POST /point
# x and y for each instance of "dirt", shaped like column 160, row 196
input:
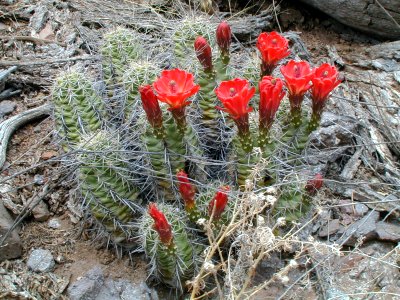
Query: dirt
column 73, row 247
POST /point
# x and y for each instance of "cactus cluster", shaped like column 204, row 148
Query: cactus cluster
column 188, row 143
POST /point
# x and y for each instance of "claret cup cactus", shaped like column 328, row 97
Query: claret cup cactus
column 188, row 140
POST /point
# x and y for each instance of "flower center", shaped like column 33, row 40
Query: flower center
column 172, row 86
column 325, row 74
column 296, row 71
column 273, row 81
column 232, row 92
column 274, row 41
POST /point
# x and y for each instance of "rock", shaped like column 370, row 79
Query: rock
column 40, row 212
column 87, row 287
column 388, row 232
column 360, row 209
column 365, row 228
column 93, row 286
column 39, row 18
column 372, row 17
column 7, row 107
column 12, row 247
column 334, row 293
column 41, row 260
column 331, row 228
column 54, row 223
column 38, row 179
column 47, row 32
column 396, row 76
column 46, row 155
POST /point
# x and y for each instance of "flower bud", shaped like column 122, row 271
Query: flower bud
column 219, row 202
column 187, row 190
column 161, row 224
column 224, row 37
column 151, row 106
column 203, row 53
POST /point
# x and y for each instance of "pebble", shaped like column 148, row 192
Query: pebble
column 54, row 223
column 38, row 179
column 7, row 107
column 12, row 247
column 41, row 260
column 388, row 232
column 46, row 155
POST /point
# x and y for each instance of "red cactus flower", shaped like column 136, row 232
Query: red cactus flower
column 187, row 190
column 219, row 201
column 314, row 184
column 224, row 37
column 235, row 96
column 151, row 106
column 325, row 79
column 203, row 52
column 298, row 76
column 161, row 224
column 273, row 47
column 174, row 87
column 271, row 95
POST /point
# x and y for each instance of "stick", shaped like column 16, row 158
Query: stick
column 42, row 62
column 31, row 39
column 9, row 126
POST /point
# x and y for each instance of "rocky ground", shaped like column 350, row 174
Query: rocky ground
column 53, row 254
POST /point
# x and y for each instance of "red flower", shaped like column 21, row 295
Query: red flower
column 203, row 52
column 325, row 79
column 271, row 95
column 273, row 47
column 297, row 76
column 224, row 37
column 187, row 190
column 235, row 96
column 314, row 184
column 219, row 202
column 151, row 106
column 161, row 224
column 174, row 87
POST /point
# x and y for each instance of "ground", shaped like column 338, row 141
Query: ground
column 73, row 244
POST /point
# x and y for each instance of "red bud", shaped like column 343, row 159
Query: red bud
column 224, row 37
column 203, row 52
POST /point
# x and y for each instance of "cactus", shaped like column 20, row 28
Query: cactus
column 139, row 73
column 78, row 109
column 173, row 258
column 121, row 47
column 105, row 186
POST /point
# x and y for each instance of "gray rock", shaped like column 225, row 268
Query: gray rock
column 93, row 286
column 38, row 179
column 334, row 293
column 12, row 247
column 54, row 223
column 88, row 287
column 7, row 107
column 41, row 260
column 396, row 76
column 388, row 232
column 365, row 228
column 329, row 229
column 39, row 18
column 360, row 209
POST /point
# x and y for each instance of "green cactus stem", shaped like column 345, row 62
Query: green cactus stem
column 175, row 145
column 138, row 74
column 156, row 152
column 103, row 177
column 78, row 109
column 175, row 263
column 291, row 205
column 121, row 47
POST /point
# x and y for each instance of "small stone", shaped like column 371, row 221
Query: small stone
column 7, row 107
column 396, row 76
column 87, row 287
column 388, row 232
column 54, row 223
column 329, row 229
column 40, row 212
column 46, row 155
column 346, row 206
column 334, row 293
column 47, row 32
column 360, row 209
column 41, row 260
column 12, row 247
column 37, row 129
column 38, row 179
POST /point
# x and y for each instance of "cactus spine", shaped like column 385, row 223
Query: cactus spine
column 78, row 109
column 104, row 184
